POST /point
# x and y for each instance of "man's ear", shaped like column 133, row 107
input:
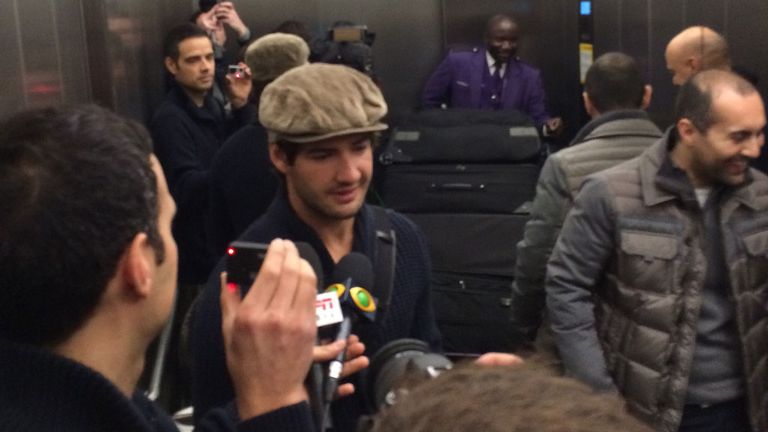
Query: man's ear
column 171, row 66
column 686, row 131
column 694, row 63
column 647, row 93
column 589, row 106
column 278, row 157
column 137, row 265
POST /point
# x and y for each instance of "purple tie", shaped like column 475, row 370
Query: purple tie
column 496, row 86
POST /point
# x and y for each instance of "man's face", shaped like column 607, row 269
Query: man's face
column 678, row 64
column 165, row 273
column 721, row 155
column 328, row 180
column 501, row 40
column 194, row 69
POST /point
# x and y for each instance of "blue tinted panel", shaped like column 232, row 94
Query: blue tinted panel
column 586, row 8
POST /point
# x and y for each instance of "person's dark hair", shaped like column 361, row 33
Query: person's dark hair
column 492, row 21
column 509, row 399
column 291, row 149
column 614, row 82
column 206, row 5
column 694, row 100
column 179, row 34
column 195, row 15
column 76, row 186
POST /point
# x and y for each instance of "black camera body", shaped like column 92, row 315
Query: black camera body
column 346, row 44
column 397, row 365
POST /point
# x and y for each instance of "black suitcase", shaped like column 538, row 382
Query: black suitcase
column 464, row 136
column 473, row 314
column 479, row 244
column 459, row 188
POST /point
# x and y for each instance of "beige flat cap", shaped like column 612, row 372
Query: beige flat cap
column 272, row 55
column 319, row 101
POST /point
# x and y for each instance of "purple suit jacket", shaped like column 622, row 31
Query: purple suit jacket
column 458, row 81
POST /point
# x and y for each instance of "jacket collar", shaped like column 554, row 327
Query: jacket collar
column 280, row 220
column 209, row 112
column 588, row 131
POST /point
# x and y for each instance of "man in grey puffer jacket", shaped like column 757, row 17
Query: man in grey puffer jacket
column 657, row 285
column 615, row 95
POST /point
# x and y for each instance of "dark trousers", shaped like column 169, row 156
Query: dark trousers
column 731, row 416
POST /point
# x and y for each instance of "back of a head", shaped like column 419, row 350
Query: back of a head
column 694, row 100
column 76, row 186
column 178, row 34
column 702, row 42
column 271, row 55
column 506, row 399
column 714, row 50
column 614, row 82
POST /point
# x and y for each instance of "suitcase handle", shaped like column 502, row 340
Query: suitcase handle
column 455, row 186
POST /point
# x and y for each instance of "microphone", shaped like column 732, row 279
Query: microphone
column 355, row 273
column 307, row 252
column 314, row 378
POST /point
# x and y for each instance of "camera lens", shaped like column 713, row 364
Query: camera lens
column 397, row 361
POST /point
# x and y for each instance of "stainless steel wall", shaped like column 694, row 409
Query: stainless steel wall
column 109, row 51
column 642, row 28
column 44, row 56
column 409, row 40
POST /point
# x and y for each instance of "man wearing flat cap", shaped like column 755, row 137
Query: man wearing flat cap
column 322, row 121
column 243, row 182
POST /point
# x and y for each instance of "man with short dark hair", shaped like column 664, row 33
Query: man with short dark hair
column 696, row 49
column 615, row 95
column 88, row 280
column 188, row 129
column 657, row 284
column 214, row 18
column 322, row 120
column 491, row 78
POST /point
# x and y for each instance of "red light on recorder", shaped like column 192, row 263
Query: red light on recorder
column 231, row 251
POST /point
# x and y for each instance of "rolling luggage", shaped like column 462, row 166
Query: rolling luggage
column 463, row 136
column 472, row 312
column 459, row 188
column 472, row 276
column 467, row 179
column 480, row 244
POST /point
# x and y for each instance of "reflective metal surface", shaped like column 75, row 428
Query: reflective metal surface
column 109, row 51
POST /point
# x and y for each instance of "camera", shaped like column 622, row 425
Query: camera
column 236, row 69
column 244, row 261
column 346, row 44
column 398, row 364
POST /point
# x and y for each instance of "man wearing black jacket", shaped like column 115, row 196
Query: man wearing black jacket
column 88, row 279
column 188, row 129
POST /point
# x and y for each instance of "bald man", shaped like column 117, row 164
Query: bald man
column 695, row 49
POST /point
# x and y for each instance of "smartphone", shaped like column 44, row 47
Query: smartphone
column 235, row 69
column 244, row 261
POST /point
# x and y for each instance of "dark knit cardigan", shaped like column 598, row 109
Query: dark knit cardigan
column 410, row 313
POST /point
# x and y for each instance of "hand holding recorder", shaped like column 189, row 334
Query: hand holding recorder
column 269, row 334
